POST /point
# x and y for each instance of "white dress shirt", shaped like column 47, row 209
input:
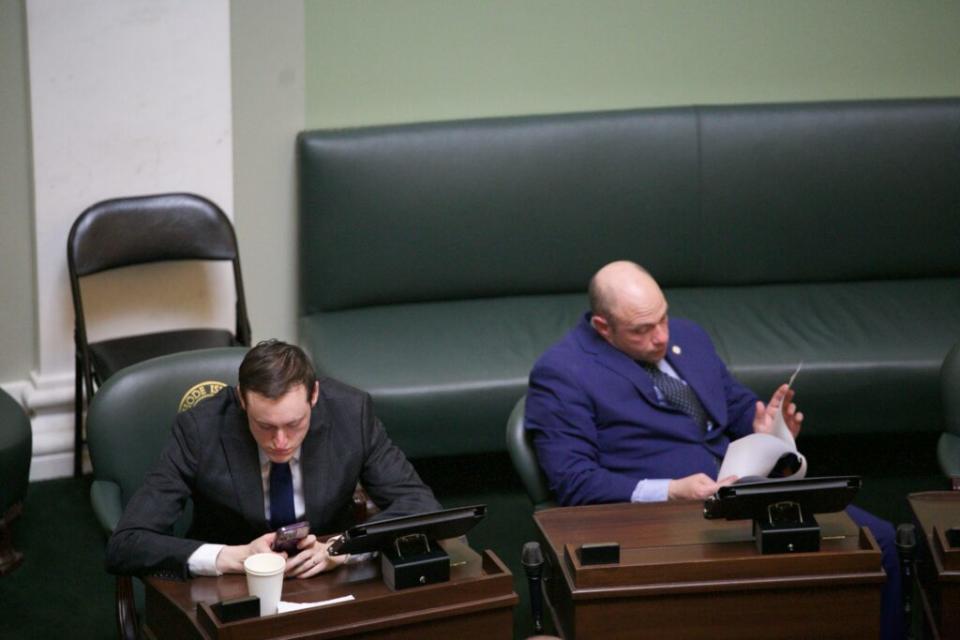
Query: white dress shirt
column 203, row 561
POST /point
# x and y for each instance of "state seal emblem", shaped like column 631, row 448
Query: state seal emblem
column 198, row 392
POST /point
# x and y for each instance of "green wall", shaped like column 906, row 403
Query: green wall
column 17, row 287
column 378, row 61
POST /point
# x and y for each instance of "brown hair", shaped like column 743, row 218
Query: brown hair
column 273, row 367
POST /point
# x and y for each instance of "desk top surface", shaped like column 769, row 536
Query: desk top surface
column 475, row 581
column 936, row 512
column 671, row 542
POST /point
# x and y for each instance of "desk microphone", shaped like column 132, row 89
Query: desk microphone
column 906, row 548
column 532, row 560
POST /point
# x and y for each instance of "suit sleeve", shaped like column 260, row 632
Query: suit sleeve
column 741, row 405
column 387, row 475
column 561, row 416
column 144, row 541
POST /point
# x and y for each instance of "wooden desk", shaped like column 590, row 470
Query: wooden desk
column 477, row 603
column 938, row 564
column 681, row 576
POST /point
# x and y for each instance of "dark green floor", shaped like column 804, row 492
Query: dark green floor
column 62, row 591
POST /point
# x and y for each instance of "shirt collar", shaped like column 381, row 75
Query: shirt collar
column 265, row 461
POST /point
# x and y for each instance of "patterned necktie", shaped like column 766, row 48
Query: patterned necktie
column 678, row 394
column 281, row 495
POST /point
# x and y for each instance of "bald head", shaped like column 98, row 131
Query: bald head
column 623, row 282
column 629, row 310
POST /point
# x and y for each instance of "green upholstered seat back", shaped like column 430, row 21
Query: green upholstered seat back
column 439, row 260
column 16, row 438
column 950, row 390
column 948, row 448
column 524, row 458
column 703, row 196
column 131, row 416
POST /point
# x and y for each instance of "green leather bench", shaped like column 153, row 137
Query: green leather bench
column 439, row 260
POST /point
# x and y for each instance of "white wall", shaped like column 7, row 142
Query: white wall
column 127, row 97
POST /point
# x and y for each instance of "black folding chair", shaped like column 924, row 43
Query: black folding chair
column 129, row 231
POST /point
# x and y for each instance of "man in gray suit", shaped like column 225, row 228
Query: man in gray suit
column 282, row 447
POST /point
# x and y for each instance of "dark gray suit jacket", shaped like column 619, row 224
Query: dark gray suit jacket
column 213, row 460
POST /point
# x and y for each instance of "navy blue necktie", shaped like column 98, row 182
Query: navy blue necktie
column 281, row 495
column 679, row 395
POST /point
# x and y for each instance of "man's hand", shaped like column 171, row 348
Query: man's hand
column 230, row 559
column 699, row 486
column 782, row 400
column 312, row 558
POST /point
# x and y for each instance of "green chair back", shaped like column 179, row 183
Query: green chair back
column 948, row 447
column 131, row 416
column 16, row 440
column 524, row 457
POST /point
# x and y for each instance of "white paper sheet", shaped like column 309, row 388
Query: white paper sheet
column 757, row 454
column 284, row 607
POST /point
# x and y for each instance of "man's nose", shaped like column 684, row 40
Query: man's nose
column 280, row 439
column 660, row 335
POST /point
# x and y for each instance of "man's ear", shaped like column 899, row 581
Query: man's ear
column 600, row 325
column 316, row 393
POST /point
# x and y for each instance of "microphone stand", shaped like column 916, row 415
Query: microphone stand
column 532, row 560
column 906, row 549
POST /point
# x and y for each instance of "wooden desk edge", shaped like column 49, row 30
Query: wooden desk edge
column 496, row 587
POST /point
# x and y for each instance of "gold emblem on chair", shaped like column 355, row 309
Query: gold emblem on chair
column 198, row 392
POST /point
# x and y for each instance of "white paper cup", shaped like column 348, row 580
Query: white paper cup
column 265, row 579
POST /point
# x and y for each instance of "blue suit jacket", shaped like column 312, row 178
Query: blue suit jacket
column 599, row 428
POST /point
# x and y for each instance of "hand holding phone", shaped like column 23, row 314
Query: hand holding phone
column 289, row 536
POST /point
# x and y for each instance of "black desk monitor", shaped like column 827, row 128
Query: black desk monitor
column 751, row 500
column 381, row 534
column 783, row 510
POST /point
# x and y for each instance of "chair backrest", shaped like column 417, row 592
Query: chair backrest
column 385, row 210
column 172, row 226
column 524, row 457
column 950, row 390
column 131, row 416
column 15, row 450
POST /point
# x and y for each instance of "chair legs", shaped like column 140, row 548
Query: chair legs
column 10, row 558
column 127, row 624
column 78, row 422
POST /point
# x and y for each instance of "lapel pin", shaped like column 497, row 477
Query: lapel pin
column 676, row 350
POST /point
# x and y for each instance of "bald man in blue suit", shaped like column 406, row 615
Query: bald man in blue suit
column 606, row 429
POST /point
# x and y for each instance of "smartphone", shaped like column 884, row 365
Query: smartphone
column 289, row 536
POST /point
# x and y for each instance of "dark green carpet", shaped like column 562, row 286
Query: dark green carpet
column 61, row 589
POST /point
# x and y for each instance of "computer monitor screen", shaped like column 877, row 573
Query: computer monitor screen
column 436, row 525
column 752, row 500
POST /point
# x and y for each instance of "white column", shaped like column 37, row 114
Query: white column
column 128, row 97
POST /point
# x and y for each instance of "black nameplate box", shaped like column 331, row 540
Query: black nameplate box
column 599, row 553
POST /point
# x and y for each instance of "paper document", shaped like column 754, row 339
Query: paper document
column 284, row 607
column 758, row 453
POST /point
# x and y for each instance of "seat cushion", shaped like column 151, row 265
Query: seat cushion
column 110, row 356
column 445, row 375
column 871, row 350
